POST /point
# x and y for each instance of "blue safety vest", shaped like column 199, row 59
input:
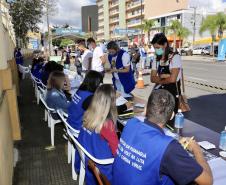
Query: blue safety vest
column 139, row 155
column 126, row 79
column 38, row 71
column 75, row 110
column 97, row 147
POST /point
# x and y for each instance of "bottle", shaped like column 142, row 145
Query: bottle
column 179, row 120
column 222, row 144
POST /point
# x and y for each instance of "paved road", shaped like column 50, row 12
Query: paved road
column 205, row 72
column 208, row 104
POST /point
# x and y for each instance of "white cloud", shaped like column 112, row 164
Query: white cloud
column 69, row 11
column 208, row 5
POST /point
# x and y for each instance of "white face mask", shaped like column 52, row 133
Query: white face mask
column 90, row 47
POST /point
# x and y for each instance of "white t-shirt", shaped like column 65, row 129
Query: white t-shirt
column 85, row 59
column 151, row 52
column 175, row 63
column 125, row 62
column 96, row 61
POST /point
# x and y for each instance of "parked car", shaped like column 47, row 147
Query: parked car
column 201, row 51
column 186, row 51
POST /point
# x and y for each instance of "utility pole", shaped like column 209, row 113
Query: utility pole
column 141, row 20
column 194, row 25
column 49, row 31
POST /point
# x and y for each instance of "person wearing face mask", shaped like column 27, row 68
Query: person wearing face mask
column 86, row 57
column 166, row 68
column 121, row 69
column 99, row 58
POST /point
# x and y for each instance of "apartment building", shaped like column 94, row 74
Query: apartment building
column 123, row 14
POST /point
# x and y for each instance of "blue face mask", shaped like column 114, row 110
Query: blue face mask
column 159, row 51
column 114, row 55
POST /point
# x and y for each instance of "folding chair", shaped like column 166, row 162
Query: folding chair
column 71, row 148
column 101, row 178
column 24, row 70
column 83, row 152
column 51, row 121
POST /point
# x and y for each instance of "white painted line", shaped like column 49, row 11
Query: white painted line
column 196, row 68
column 195, row 78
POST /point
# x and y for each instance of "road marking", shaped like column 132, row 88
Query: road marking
column 196, row 68
column 195, row 78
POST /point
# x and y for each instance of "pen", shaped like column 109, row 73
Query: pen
column 186, row 145
column 128, row 114
column 169, row 127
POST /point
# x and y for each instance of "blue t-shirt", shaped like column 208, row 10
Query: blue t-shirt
column 169, row 162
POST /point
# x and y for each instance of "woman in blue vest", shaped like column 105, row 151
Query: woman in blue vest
column 98, row 134
column 121, row 70
column 82, row 98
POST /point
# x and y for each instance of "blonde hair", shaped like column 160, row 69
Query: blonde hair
column 102, row 108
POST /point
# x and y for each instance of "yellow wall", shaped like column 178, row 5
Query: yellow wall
column 158, row 7
column 9, row 119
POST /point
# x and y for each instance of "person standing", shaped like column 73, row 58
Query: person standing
column 86, row 57
column 19, row 57
column 143, row 57
column 121, row 69
column 99, row 58
column 166, row 69
column 151, row 55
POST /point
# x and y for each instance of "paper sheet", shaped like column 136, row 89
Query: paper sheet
column 206, row 145
column 120, row 101
column 218, row 167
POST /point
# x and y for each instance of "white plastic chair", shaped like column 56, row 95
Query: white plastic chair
column 24, row 70
column 51, row 122
column 71, row 148
column 83, row 152
column 36, row 82
column 43, row 92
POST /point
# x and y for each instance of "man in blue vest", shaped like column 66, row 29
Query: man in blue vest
column 146, row 156
column 121, row 70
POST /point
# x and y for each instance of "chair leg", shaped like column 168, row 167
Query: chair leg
column 46, row 115
column 52, row 125
column 69, row 152
column 49, row 119
column 82, row 174
column 74, row 174
column 38, row 97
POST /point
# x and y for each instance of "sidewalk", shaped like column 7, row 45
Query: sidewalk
column 38, row 166
column 199, row 58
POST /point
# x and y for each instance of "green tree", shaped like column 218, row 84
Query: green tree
column 147, row 26
column 210, row 24
column 25, row 16
column 182, row 33
column 65, row 42
column 221, row 23
column 175, row 25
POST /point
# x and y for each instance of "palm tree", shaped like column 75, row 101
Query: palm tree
column 147, row 26
column 182, row 33
column 174, row 27
column 210, row 24
column 221, row 23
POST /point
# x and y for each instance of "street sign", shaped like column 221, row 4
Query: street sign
column 120, row 31
column 67, row 31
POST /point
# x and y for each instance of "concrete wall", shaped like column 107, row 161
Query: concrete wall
column 8, row 104
column 158, row 7
column 106, row 20
column 122, row 14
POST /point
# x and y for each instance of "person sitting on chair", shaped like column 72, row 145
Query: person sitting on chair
column 146, row 155
column 98, row 134
column 55, row 97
